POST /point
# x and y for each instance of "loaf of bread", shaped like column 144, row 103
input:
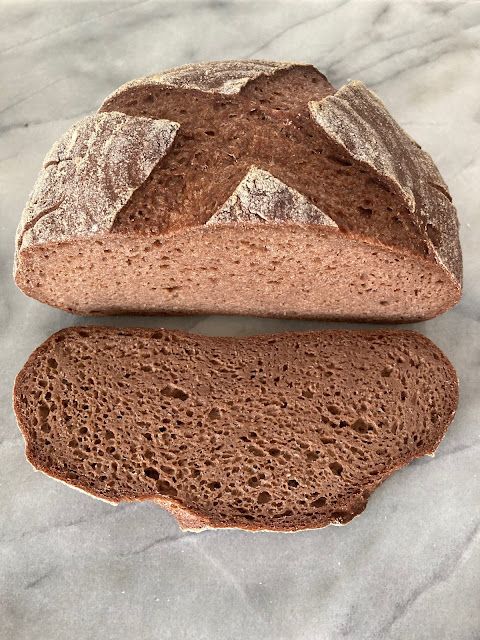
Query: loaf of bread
column 279, row 432
column 244, row 187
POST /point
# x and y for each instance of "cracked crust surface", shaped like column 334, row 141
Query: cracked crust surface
column 261, row 196
column 356, row 119
column 226, row 77
column 90, row 173
column 243, row 143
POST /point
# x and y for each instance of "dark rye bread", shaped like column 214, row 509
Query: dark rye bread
column 246, row 187
column 279, row 432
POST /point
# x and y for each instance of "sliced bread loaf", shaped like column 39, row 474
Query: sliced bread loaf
column 246, row 187
column 278, row 432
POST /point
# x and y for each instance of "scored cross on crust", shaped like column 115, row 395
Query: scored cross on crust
column 236, row 116
column 245, row 148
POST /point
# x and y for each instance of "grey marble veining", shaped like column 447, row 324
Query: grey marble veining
column 409, row 567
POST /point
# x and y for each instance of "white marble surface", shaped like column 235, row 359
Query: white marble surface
column 409, row 567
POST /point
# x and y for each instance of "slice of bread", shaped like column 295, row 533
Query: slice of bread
column 278, row 432
column 241, row 187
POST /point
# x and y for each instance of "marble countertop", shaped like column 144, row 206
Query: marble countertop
column 409, row 567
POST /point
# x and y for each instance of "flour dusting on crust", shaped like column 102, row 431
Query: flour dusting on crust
column 262, row 197
column 356, row 119
column 89, row 175
column 226, row 76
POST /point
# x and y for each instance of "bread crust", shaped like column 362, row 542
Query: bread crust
column 353, row 118
column 89, row 174
column 358, row 121
column 260, row 196
column 227, row 77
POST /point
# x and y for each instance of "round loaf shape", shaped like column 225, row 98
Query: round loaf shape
column 241, row 187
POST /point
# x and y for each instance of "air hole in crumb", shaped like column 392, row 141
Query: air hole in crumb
column 319, row 502
column 214, row 414
column 255, row 450
column 362, row 426
column 365, row 211
column 169, row 471
column 336, row 468
column 152, row 473
column 214, row 485
column 274, row 452
column 263, row 497
column 292, row 483
column 172, row 391
column 333, row 409
column 43, row 411
column 166, row 489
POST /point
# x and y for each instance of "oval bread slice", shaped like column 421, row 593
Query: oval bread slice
column 279, row 432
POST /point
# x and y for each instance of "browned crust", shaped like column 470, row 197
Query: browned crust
column 261, row 197
column 193, row 519
column 357, row 120
column 354, row 118
column 90, row 173
column 222, row 76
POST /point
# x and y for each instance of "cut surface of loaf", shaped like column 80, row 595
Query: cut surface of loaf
column 279, row 432
column 246, row 187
